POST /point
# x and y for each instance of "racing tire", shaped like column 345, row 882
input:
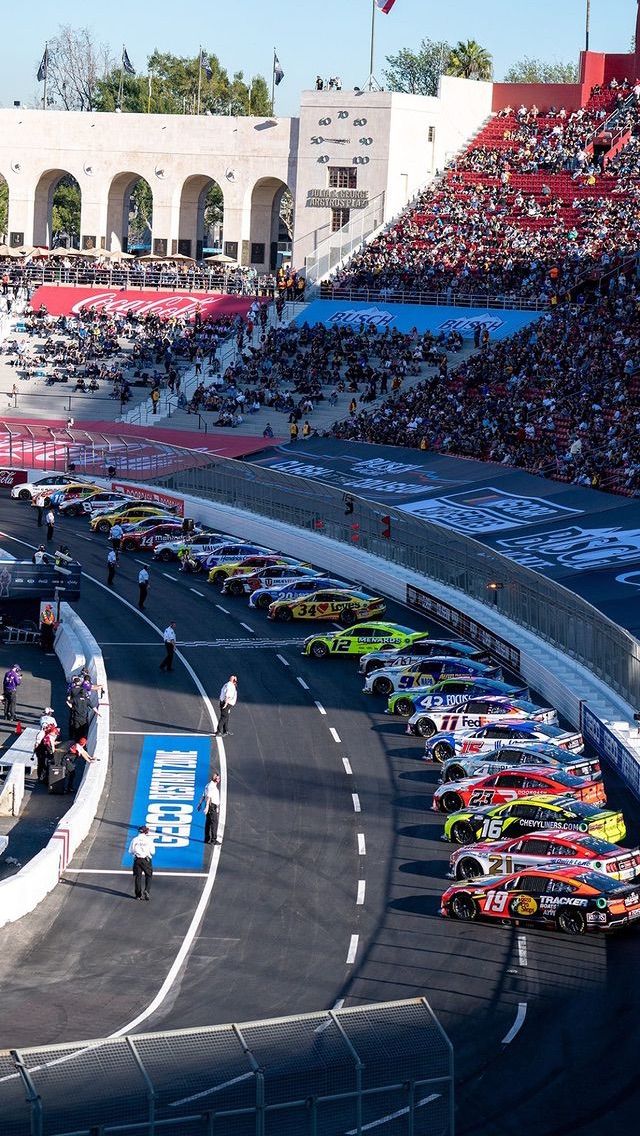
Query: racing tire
column 235, row 588
column 128, row 545
column 348, row 617
column 217, row 577
column 24, row 495
column 285, row 615
column 263, row 602
column 382, row 685
column 571, row 921
column 372, row 665
column 425, row 727
column 441, row 751
column 165, row 556
column 404, row 707
column 319, row 650
column 76, row 511
column 463, row 907
column 103, row 527
column 451, row 802
column 454, row 773
column 462, row 833
column 468, row 869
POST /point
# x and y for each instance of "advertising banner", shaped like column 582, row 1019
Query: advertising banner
column 62, row 301
column 11, row 477
column 464, row 626
column 404, row 317
column 21, row 580
column 611, row 748
column 153, row 496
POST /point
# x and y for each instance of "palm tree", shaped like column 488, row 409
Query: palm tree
column 470, row 61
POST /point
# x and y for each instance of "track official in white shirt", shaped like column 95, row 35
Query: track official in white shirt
column 169, row 637
column 228, row 699
column 142, row 848
column 210, row 801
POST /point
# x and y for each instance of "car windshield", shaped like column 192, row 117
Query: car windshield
column 600, row 847
column 603, row 883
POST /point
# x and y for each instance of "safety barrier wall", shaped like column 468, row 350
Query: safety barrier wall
column 22, row 892
column 12, row 794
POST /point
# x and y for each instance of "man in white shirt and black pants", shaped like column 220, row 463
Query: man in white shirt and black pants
column 169, row 637
column 143, row 588
column 228, row 699
column 142, row 848
column 210, row 799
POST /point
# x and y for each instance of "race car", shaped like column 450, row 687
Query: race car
column 199, row 560
column 148, row 536
column 245, row 565
column 509, row 784
column 544, row 755
column 272, row 577
column 26, row 490
column 199, row 542
column 425, row 672
column 345, row 606
column 496, row 822
column 572, row 900
column 476, row 712
column 539, row 850
column 76, row 491
column 126, row 514
column 80, row 506
column 423, row 648
column 287, row 589
column 483, row 739
column 357, row 640
column 450, row 692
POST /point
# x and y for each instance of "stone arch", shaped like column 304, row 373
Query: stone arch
column 195, row 226
column 51, row 190
column 265, row 228
column 129, row 212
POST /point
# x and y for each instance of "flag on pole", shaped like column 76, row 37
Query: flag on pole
column 127, row 65
column 205, row 65
column 43, row 69
column 278, row 73
column 385, row 5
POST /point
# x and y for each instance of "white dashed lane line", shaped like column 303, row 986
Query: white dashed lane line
column 362, row 844
column 334, row 734
column 143, row 562
column 196, row 592
column 224, row 609
column 247, row 628
column 302, row 682
column 522, row 950
column 356, row 803
column 347, row 766
column 353, row 950
column 321, row 708
column 281, row 658
column 169, row 576
column 517, row 1025
column 362, row 887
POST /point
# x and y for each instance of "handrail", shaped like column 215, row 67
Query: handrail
column 330, row 291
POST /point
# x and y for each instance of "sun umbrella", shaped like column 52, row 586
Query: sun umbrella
column 220, row 258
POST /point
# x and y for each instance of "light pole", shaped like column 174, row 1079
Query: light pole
column 587, row 27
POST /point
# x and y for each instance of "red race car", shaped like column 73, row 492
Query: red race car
column 508, row 784
column 542, row 848
column 573, row 900
column 147, row 538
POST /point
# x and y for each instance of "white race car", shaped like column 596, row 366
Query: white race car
column 478, row 712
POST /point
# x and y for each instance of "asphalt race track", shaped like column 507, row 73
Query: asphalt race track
column 327, row 882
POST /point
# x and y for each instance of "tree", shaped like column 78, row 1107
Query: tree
column 76, row 66
column 418, row 72
column 65, row 213
column 469, row 60
column 527, row 70
column 4, row 209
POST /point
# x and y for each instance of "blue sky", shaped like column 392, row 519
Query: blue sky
column 328, row 37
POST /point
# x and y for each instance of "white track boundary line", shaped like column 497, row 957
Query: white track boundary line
column 517, row 1025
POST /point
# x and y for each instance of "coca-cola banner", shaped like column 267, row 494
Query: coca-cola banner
column 63, row 301
column 11, row 477
column 153, row 496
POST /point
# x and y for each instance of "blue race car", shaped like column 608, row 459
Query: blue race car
column 449, row 692
column 263, row 597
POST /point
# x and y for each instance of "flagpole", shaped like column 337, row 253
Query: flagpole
column 46, row 76
column 121, row 84
column 373, row 45
column 149, row 93
column 273, row 83
column 199, row 78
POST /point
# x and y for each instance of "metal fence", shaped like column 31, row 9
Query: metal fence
column 542, row 606
column 335, row 247
column 325, row 1074
column 330, row 291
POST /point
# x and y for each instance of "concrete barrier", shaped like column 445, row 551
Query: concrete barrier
column 21, row 893
column 12, row 794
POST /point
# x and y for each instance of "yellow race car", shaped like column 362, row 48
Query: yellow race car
column 133, row 513
column 346, row 607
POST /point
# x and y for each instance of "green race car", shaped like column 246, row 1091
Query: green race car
column 360, row 639
column 516, row 818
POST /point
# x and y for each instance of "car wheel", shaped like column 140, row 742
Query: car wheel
column 426, row 728
column 442, row 750
column 468, row 869
column 463, row 907
column 263, row 602
column 451, row 802
column 165, row 555
column 382, row 685
column 24, row 495
column 454, row 773
column 404, row 707
column 77, row 511
column 103, row 527
column 319, row 650
column 571, row 921
column 218, row 577
column 129, row 545
column 372, row 665
column 462, row 833
column 348, row 616
column 285, row 614
column 235, row 588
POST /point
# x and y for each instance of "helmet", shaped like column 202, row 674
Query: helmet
column 143, row 828
column 48, row 710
